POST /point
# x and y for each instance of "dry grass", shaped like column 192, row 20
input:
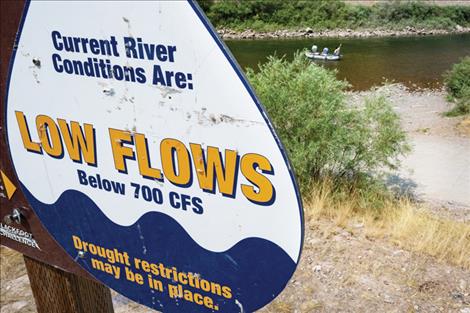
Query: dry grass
column 282, row 307
column 403, row 222
column 15, row 294
column 11, row 264
column 464, row 127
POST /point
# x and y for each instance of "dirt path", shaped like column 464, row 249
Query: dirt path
column 439, row 164
column 437, row 170
column 441, row 169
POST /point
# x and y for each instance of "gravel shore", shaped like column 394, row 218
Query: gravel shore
column 308, row 32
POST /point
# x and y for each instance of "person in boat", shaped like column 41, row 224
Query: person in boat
column 337, row 50
column 325, row 51
column 314, row 49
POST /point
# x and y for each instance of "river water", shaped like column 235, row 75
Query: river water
column 417, row 62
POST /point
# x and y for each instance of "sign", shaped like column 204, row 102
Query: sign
column 145, row 154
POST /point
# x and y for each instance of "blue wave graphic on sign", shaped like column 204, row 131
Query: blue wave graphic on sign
column 257, row 266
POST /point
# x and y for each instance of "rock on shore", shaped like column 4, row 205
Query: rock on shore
column 308, row 32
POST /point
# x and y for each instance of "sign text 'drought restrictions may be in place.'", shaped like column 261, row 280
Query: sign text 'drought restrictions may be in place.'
column 158, row 277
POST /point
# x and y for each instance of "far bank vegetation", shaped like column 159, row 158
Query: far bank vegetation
column 272, row 15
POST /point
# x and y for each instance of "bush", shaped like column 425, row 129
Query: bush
column 457, row 82
column 325, row 137
column 458, row 78
column 205, row 4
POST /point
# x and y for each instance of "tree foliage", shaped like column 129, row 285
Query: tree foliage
column 323, row 14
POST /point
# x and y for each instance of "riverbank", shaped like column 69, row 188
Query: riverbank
column 334, row 18
column 227, row 33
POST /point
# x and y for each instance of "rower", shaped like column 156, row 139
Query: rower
column 314, row 49
column 337, row 50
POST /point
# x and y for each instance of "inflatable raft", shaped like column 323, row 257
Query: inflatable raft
column 325, row 57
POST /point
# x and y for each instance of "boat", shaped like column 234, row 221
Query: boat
column 325, row 57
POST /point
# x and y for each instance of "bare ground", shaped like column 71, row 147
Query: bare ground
column 345, row 270
column 437, row 171
column 340, row 271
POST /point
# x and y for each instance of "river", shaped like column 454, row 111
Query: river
column 417, row 62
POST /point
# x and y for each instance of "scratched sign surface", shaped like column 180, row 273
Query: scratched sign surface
column 144, row 152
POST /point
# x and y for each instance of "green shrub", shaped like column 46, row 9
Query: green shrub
column 324, row 136
column 458, row 78
column 462, row 105
column 422, row 14
column 457, row 82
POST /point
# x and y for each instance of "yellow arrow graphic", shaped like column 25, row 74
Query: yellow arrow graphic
column 9, row 187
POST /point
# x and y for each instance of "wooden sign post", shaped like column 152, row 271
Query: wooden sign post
column 54, row 290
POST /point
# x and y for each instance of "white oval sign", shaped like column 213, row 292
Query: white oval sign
column 146, row 155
